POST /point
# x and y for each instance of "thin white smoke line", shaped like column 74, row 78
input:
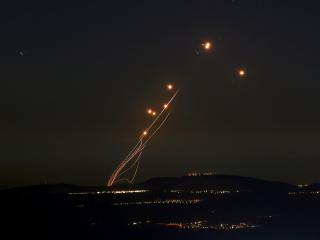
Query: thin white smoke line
column 140, row 142
column 119, row 173
column 131, row 166
column 123, row 163
column 138, row 162
column 121, row 180
column 139, row 146
column 148, row 139
column 132, row 152
column 164, row 109
column 157, row 129
column 135, row 173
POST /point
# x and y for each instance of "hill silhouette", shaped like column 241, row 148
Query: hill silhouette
column 213, row 182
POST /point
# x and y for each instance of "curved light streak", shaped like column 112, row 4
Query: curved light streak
column 132, row 160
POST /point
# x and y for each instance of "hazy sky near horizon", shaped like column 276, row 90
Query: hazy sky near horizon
column 77, row 77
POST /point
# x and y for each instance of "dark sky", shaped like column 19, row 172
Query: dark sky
column 77, row 77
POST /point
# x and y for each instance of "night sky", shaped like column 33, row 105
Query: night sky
column 77, row 77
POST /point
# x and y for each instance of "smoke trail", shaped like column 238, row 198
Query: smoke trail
column 136, row 151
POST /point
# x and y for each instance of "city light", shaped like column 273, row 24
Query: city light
column 161, row 202
column 200, row 225
column 113, row 192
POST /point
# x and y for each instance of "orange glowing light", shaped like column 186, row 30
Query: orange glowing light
column 169, row 86
column 145, row 133
column 242, row 73
column 165, row 106
column 149, row 111
column 154, row 113
column 207, row 45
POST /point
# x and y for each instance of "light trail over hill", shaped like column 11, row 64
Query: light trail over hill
column 132, row 161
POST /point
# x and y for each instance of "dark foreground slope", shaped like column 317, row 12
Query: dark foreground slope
column 205, row 207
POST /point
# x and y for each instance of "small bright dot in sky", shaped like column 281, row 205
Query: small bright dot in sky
column 169, row 86
column 242, row 72
column 149, row 111
column 165, row 106
column 207, row 45
column 154, row 113
column 145, row 133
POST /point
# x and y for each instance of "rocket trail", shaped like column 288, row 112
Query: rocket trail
column 132, row 160
column 136, row 151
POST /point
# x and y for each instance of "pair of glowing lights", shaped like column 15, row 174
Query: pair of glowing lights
column 151, row 112
column 207, row 46
column 154, row 113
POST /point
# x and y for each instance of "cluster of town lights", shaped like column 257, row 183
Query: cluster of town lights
column 162, row 202
column 200, row 225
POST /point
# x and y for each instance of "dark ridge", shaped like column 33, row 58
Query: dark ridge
column 214, row 182
column 219, row 182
